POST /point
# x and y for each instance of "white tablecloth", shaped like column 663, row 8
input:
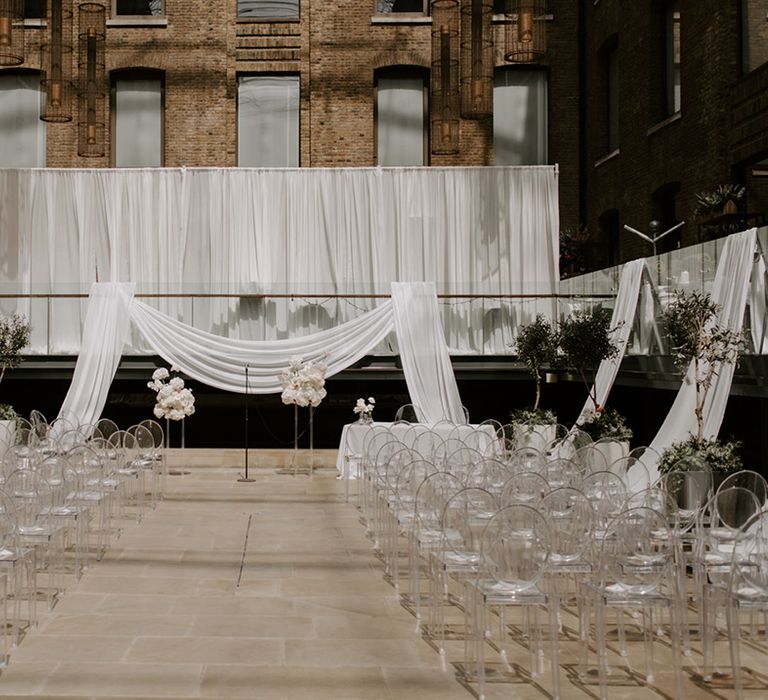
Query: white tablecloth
column 353, row 435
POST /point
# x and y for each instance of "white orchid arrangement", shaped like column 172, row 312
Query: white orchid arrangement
column 363, row 408
column 174, row 401
column 303, row 382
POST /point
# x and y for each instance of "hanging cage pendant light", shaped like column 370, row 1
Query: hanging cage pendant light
column 91, row 90
column 56, row 54
column 525, row 31
column 11, row 32
column 476, row 59
column 444, row 106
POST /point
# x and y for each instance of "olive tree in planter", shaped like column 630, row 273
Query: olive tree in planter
column 14, row 337
column 585, row 341
column 700, row 346
column 536, row 347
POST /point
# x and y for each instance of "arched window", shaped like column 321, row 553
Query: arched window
column 137, row 119
column 22, row 133
column 401, row 116
column 520, row 117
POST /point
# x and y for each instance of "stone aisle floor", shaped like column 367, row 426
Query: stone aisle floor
column 263, row 590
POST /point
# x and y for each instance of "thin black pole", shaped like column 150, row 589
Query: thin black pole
column 247, row 399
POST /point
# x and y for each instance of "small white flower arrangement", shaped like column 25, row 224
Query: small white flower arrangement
column 303, row 382
column 363, row 409
column 174, row 401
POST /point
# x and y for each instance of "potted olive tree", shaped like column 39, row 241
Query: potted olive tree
column 536, row 347
column 700, row 346
column 14, row 337
column 585, row 341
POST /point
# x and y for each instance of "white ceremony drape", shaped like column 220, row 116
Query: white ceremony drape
column 221, row 362
column 729, row 291
column 424, row 354
column 757, row 305
column 106, row 328
column 344, row 231
column 621, row 326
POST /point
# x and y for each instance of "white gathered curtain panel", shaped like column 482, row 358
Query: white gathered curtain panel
column 489, row 231
column 729, row 290
column 622, row 317
column 221, row 362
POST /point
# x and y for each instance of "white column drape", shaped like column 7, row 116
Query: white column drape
column 729, row 291
column 424, row 354
column 343, row 231
column 106, row 330
column 621, row 326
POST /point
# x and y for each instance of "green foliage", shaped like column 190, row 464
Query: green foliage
column 714, row 201
column 14, row 337
column 536, row 346
column 532, row 416
column 608, row 424
column 585, row 342
column 7, row 412
column 718, row 456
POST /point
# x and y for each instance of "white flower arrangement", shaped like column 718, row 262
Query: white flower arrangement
column 365, row 409
column 174, row 401
column 303, row 383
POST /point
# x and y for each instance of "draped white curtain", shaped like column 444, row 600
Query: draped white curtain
column 424, row 354
column 222, row 362
column 729, row 291
column 489, row 231
column 621, row 326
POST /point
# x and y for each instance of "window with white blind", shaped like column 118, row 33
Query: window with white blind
column 138, row 122
column 22, row 133
column 401, row 133
column 268, row 121
column 268, row 9
column 520, row 117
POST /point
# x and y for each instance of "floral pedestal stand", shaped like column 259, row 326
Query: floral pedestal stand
column 168, row 432
column 301, row 461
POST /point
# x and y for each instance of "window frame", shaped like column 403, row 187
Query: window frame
column 671, row 68
column 608, row 51
column 134, row 74
column 43, row 12
column 114, row 14
column 23, row 71
column 256, row 18
column 402, row 71
column 401, row 15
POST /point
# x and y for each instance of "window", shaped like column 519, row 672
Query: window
column 398, row 7
column 520, row 117
column 22, row 133
column 34, row 9
column 611, row 68
column 401, row 133
column 137, row 113
column 664, row 207
column 138, row 8
column 268, row 9
column 268, row 121
column 754, row 34
column 610, row 238
column 672, row 55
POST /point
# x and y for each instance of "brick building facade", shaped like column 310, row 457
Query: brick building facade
column 627, row 152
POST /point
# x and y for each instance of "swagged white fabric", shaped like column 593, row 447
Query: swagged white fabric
column 221, row 362
column 106, row 330
column 729, row 291
column 488, row 231
column 424, row 354
column 621, row 325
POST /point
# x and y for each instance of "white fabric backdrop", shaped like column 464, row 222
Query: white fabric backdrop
column 221, row 362
column 729, row 291
column 624, row 310
column 486, row 231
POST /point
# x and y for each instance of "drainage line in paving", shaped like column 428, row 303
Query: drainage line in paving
column 245, row 549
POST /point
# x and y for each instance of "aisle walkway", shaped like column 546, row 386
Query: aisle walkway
column 177, row 609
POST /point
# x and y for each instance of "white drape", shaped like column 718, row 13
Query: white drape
column 729, row 291
column 221, row 362
column 106, row 328
column 757, row 305
column 621, row 325
column 400, row 121
column 424, row 354
column 482, row 231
